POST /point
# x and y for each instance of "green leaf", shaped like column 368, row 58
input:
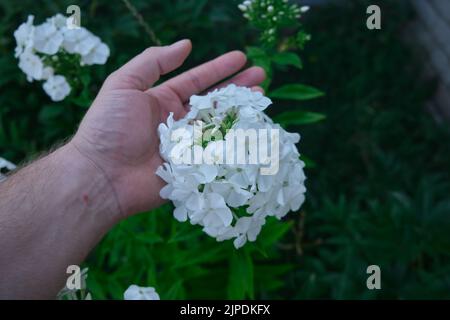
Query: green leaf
column 83, row 100
column 259, row 249
column 149, row 238
column 51, row 111
column 290, row 118
column 270, row 277
column 241, row 278
column 296, row 92
column 288, row 59
column 273, row 231
column 186, row 259
column 309, row 163
column 260, row 58
column 175, row 291
column 94, row 287
column 255, row 52
column 184, row 234
column 85, row 79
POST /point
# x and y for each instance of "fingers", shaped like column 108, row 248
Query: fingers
column 144, row 70
column 258, row 89
column 206, row 75
column 254, row 88
column 248, row 78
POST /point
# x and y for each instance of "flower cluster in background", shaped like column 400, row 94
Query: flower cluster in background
column 52, row 50
column 5, row 166
column 230, row 200
column 135, row 292
column 271, row 17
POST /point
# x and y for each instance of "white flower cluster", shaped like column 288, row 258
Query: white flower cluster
column 39, row 45
column 135, row 292
column 272, row 16
column 268, row 9
column 5, row 164
column 231, row 200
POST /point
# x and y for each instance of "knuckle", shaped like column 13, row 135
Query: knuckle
column 195, row 80
column 151, row 50
column 133, row 81
column 113, row 76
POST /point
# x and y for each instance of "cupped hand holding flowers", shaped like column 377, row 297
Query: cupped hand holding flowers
column 106, row 172
column 119, row 132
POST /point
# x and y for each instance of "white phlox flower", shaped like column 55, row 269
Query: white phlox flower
column 37, row 46
column 97, row 55
column 135, row 292
column 24, row 36
column 57, row 87
column 211, row 177
column 47, row 38
column 32, row 65
column 5, row 165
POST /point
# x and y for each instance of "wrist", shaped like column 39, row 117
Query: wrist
column 89, row 185
column 56, row 209
column 128, row 180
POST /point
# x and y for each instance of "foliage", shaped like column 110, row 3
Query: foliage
column 272, row 18
column 280, row 36
column 379, row 193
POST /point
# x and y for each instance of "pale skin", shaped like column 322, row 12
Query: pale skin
column 55, row 210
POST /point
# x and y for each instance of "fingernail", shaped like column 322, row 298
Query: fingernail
column 263, row 71
column 180, row 43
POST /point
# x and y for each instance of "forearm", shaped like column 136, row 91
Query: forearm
column 52, row 213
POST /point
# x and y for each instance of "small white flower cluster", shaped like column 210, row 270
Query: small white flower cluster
column 268, row 9
column 135, row 292
column 5, row 164
column 38, row 48
column 272, row 16
column 230, row 200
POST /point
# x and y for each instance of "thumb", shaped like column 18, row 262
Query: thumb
column 144, row 70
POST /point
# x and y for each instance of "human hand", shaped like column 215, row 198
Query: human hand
column 119, row 132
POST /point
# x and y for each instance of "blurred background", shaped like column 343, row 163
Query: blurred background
column 378, row 164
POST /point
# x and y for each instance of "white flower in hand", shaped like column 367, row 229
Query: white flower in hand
column 207, row 193
column 217, row 215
